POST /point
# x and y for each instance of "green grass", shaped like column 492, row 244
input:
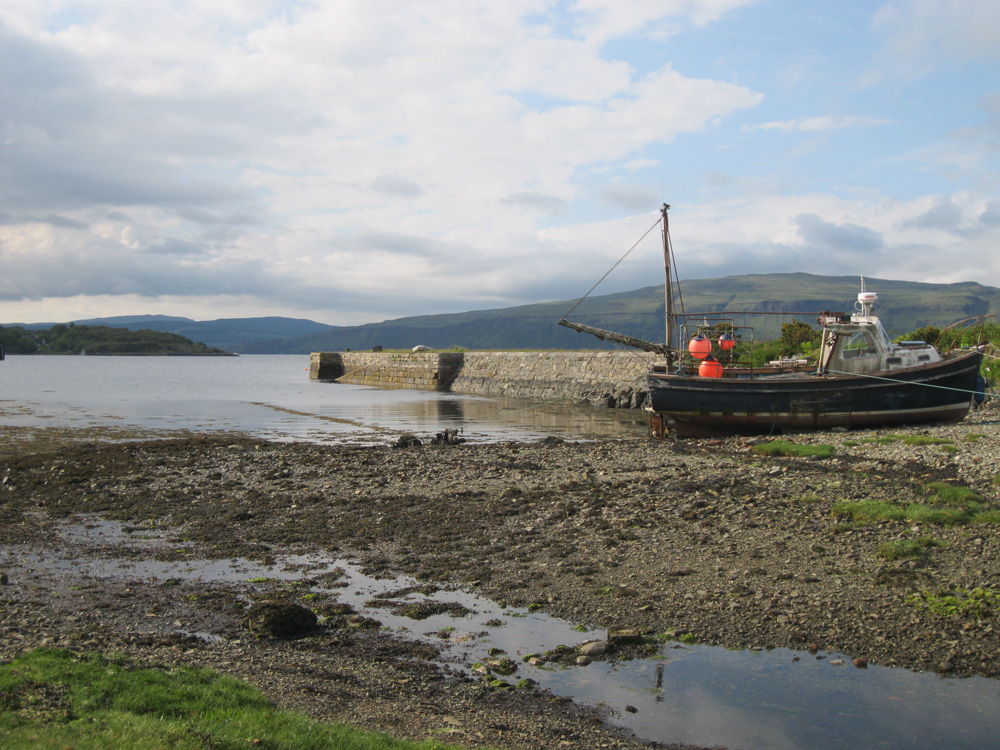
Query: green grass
column 899, row 549
column 867, row 512
column 943, row 493
column 979, row 602
column 948, row 504
column 54, row 698
column 924, row 440
column 788, row 448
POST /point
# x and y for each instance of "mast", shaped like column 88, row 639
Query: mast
column 668, row 292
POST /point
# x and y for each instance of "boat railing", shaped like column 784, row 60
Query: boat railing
column 958, row 334
column 717, row 337
column 737, row 361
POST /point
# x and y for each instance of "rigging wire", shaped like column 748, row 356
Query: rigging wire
column 617, row 263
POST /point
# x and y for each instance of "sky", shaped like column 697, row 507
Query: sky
column 352, row 161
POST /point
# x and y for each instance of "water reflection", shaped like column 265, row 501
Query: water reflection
column 271, row 397
column 781, row 700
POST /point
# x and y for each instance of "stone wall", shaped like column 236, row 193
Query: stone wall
column 609, row 378
column 613, row 378
column 419, row 370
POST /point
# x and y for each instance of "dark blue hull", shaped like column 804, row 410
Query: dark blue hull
column 938, row 392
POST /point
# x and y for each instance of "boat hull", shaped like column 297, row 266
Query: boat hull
column 938, row 392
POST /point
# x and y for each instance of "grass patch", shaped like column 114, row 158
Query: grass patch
column 996, row 479
column 924, row 440
column 810, row 499
column 988, row 517
column 940, row 515
column 974, row 437
column 851, row 443
column 54, row 698
column 867, row 512
column 788, row 448
column 899, row 549
column 943, row 493
column 979, row 602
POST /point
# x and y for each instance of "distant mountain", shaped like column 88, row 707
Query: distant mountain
column 903, row 305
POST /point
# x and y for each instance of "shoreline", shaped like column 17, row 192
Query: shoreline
column 701, row 537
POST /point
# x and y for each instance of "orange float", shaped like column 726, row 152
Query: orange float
column 700, row 347
column 726, row 342
column 710, row 367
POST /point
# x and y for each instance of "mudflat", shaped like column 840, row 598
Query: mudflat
column 886, row 550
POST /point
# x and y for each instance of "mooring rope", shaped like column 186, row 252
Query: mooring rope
column 909, row 382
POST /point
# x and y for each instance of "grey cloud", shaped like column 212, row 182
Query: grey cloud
column 944, row 215
column 70, row 144
column 547, row 204
column 405, row 244
column 396, row 187
column 822, row 236
column 630, row 197
column 991, row 216
column 54, row 220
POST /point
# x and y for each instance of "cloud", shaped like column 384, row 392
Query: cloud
column 817, row 124
column 374, row 159
column 546, row 204
column 923, row 35
column 396, row 187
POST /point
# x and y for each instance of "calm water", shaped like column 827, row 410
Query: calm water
column 269, row 396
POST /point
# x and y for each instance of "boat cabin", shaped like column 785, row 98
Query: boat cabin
column 859, row 344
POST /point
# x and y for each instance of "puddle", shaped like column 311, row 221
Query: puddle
column 703, row 695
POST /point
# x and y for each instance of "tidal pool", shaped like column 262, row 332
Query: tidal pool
column 709, row 696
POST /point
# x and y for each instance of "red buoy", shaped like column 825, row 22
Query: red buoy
column 700, row 347
column 727, row 342
column 710, row 367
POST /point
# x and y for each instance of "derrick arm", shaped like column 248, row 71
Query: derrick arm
column 621, row 338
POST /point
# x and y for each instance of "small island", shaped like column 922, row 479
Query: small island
column 69, row 338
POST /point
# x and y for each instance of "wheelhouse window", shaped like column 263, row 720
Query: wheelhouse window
column 860, row 344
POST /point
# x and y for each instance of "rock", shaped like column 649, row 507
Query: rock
column 279, row 619
column 4, row 580
column 503, row 667
column 448, row 437
column 861, row 663
column 594, row 648
column 836, row 662
column 407, row 441
column 625, row 635
column 421, row 348
column 583, row 661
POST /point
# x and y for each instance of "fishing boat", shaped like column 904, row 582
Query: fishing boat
column 860, row 377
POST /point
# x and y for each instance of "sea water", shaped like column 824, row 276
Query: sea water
column 271, row 396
